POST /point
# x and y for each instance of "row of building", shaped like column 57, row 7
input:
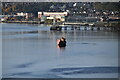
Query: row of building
column 58, row 17
column 42, row 16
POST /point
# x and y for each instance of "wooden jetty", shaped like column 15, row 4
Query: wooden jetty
column 79, row 23
column 85, row 28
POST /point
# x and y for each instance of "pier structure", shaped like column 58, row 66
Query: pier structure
column 85, row 28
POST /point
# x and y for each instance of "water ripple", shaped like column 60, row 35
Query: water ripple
column 85, row 70
column 22, row 73
column 24, row 65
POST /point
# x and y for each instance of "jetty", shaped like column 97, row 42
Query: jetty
column 86, row 26
column 79, row 23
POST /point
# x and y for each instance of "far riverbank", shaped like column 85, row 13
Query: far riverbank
column 113, row 25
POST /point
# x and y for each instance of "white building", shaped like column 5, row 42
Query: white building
column 59, row 16
column 22, row 14
column 2, row 19
column 55, row 13
column 39, row 14
column 27, row 15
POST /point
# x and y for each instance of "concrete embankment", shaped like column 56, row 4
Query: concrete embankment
column 26, row 22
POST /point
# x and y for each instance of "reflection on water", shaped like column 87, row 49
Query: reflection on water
column 31, row 51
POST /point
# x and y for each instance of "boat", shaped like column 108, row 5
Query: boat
column 58, row 28
column 55, row 26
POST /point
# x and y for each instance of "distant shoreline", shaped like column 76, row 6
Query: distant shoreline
column 27, row 22
column 110, row 24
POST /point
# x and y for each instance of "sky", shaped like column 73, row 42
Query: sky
column 60, row 0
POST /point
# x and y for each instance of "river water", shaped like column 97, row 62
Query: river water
column 30, row 51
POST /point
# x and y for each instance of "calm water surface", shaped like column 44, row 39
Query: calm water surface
column 30, row 51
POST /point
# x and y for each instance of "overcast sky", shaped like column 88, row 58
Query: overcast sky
column 60, row 0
